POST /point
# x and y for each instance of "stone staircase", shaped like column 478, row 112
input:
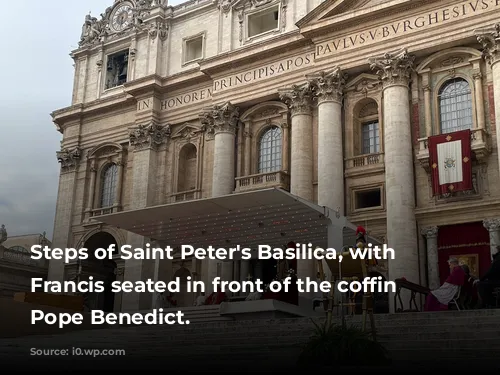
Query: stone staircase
column 199, row 314
column 421, row 341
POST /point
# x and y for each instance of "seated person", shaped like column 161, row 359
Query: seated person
column 438, row 300
column 490, row 281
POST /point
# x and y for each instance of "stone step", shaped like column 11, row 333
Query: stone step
column 441, row 333
column 271, row 331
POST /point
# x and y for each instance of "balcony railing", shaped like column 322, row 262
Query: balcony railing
column 100, row 211
column 183, row 196
column 365, row 160
column 278, row 179
column 479, row 145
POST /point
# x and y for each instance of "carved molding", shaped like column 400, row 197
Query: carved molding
column 220, row 118
column 393, row 68
column 159, row 28
column 151, row 135
column 490, row 40
column 328, row 86
column 492, row 224
column 298, row 98
column 429, row 232
column 95, row 31
column 69, row 159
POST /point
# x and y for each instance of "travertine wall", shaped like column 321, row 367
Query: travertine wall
column 161, row 90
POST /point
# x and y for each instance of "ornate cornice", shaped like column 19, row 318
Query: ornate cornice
column 430, row 232
column 69, row 159
column 492, row 224
column 490, row 40
column 220, row 118
column 298, row 98
column 150, row 136
column 95, row 31
column 328, row 86
column 393, row 68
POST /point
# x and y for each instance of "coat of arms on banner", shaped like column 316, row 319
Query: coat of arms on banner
column 450, row 158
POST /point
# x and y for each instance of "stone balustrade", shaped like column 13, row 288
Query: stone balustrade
column 102, row 211
column 278, row 179
column 185, row 196
column 364, row 160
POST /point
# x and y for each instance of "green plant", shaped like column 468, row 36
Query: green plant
column 342, row 345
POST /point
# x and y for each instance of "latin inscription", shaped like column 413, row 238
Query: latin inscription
column 410, row 25
column 462, row 10
column 185, row 99
column 267, row 71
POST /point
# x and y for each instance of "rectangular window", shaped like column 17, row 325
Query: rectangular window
column 116, row 69
column 193, row 49
column 371, row 139
column 368, row 199
column 264, row 21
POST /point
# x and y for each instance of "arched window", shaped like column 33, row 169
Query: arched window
column 186, row 175
column 270, row 150
column 455, row 106
column 108, row 185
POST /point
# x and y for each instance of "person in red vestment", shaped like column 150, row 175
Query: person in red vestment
column 438, row 300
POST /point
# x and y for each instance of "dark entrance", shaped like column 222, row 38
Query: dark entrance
column 102, row 270
column 269, row 270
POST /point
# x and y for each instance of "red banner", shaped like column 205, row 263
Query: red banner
column 450, row 160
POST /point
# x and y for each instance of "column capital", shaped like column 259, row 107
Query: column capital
column 492, row 224
column 393, row 68
column 149, row 136
column 328, row 86
column 489, row 38
column 220, row 118
column 69, row 158
column 298, row 98
column 429, row 232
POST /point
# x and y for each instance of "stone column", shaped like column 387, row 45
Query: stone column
column 328, row 90
column 478, row 88
column 431, row 233
column 490, row 39
column 119, row 185
column 222, row 120
column 248, row 149
column 394, row 71
column 146, row 140
column 285, row 153
column 69, row 159
column 299, row 99
column 428, row 110
column 493, row 226
column 244, row 272
column 90, row 202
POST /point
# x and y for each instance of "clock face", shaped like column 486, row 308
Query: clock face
column 122, row 17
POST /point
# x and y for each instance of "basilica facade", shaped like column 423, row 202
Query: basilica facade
column 334, row 101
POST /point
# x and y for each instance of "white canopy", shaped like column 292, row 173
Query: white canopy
column 266, row 217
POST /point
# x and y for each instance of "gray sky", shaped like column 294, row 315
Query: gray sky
column 36, row 76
